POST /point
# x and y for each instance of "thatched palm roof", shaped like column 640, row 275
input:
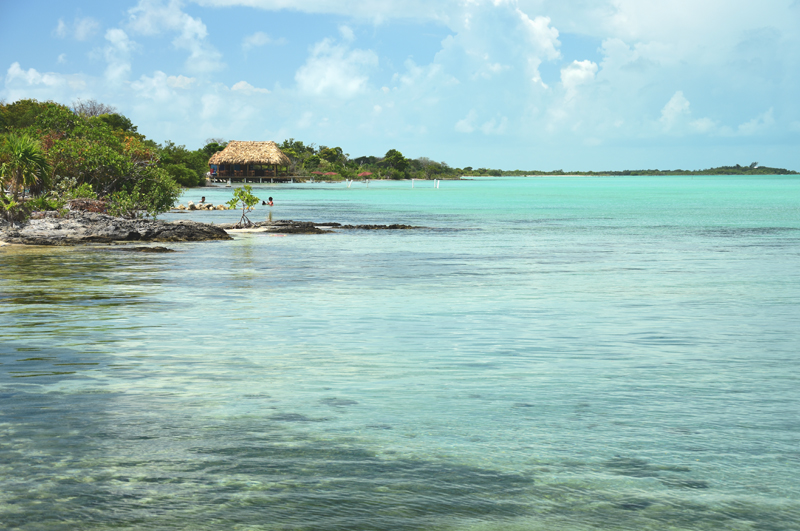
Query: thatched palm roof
column 242, row 152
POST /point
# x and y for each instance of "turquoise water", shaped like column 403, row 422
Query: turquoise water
column 551, row 353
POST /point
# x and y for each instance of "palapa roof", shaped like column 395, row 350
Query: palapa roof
column 243, row 152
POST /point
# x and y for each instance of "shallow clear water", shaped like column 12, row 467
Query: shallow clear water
column 550, row 353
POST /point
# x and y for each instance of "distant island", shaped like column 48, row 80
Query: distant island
column 752, row 169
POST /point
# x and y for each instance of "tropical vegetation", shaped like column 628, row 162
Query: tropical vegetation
column 243, row 198
column 49, row 151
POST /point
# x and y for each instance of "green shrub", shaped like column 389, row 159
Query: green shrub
column 82, row 191
column 184, row 176
column 151, row 196
column 43, row 203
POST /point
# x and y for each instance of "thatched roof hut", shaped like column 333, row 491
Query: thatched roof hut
column 251, row 153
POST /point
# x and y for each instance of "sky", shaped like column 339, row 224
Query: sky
column 511, row 84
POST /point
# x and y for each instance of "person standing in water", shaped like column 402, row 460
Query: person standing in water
column 269, row 201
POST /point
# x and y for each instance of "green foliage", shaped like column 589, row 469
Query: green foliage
column 332, row 155
column 212, row 147
column 24, row 163
column 43, row 203
column 186, row 167
column 394, row 160
column 150, row 196
column 12, row 210
column 118, row 122
column 302, row 156
column 55, row 119
column 313, row 161
column 69, row 189
column 182, row 175
column 244, row 199
column 21, row 114
column 61, row 154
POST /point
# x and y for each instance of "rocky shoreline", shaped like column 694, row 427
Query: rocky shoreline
column 78, row 228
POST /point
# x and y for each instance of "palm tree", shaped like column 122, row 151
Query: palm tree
column 24, row 163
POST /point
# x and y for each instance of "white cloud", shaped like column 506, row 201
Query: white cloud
column 61, row 29
column 347, row 33
column 117, row 54
column 306, row 120
column 246, row 88
column 155, row 87
column 256, row 40
column 181, row 82
column 335, row 70
column 31, row 76
column 467, row 124
column 62, row 59
column 85, row 28
column 212, row 106
column 704, row 125
column 676, row 109
column 759, row 124
column 375, row 11
column 576, row 74
column 153, row 17
column 542, row 37
column 494, row 126
column 82, row 29
column 31, row 83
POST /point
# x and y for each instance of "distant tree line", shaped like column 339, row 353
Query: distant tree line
column 310, row 159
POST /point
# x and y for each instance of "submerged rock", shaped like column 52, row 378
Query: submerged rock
column 147, row 249
column 89, row 227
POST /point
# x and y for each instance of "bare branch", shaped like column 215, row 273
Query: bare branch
column 90, row 108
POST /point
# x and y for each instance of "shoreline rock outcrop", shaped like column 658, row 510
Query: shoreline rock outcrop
column 80, row 227
column 309, row 227
column 90, row 227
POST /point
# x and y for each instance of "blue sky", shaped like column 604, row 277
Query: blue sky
column 537, row 84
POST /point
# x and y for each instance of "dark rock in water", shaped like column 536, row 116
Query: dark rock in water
column 147, row 249
column 284, row 227
column 338, row 402
column 631, row 466
column 686, row 483
column 294, row 417
column 394, row 226
column 90, row 227
column 635, row 505
column 310, row 227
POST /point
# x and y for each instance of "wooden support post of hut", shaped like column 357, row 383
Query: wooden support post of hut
column 242, row 159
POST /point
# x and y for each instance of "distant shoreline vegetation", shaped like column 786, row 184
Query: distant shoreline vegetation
column 753, row 169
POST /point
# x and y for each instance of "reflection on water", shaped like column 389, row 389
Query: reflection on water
column 603, row 365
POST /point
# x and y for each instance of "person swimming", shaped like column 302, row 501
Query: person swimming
column 270, row 202
column 203, row 199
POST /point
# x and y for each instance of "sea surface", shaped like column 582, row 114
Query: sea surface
column 550, row 353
